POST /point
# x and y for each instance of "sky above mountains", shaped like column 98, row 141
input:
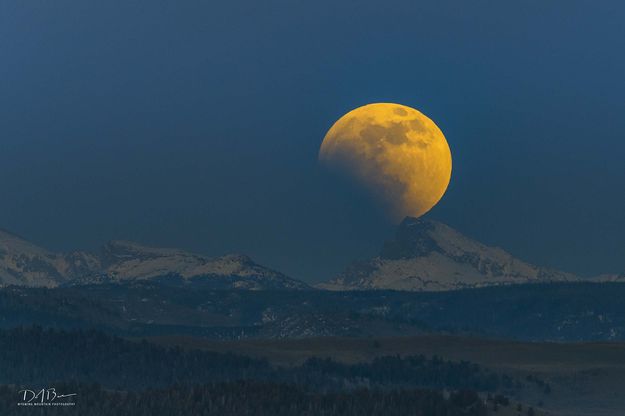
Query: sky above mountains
column 197, row 124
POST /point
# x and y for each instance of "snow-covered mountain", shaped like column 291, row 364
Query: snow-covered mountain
column 430, row 256
column 25, row 264
column 124, row 260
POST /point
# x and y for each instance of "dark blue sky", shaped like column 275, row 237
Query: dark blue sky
column 197, row 123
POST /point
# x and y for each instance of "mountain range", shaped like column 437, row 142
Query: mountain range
column 424, row 255
column 25, row 264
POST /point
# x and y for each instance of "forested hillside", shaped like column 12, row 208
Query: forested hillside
column 254, row 399
column 43, row 357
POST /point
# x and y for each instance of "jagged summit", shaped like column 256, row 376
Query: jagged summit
column 429, row 255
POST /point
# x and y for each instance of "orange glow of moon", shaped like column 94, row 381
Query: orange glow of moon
column 395, row 151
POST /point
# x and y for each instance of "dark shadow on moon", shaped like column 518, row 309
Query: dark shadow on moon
column 369, row 175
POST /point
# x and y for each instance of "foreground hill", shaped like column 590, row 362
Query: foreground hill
column 572, row 379
column 264, row 399
column 430, row 256
column 200, row 382
column 25, row 264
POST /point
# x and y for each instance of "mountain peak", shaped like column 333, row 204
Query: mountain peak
column 413, row 238
column 429, row 255
column 411, row 221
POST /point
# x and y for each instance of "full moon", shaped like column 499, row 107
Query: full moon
column 393, row 150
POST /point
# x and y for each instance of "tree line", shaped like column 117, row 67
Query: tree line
column 42, row 356
column 252, row 398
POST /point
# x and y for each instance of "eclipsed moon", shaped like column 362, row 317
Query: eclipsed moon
column 395, row 151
